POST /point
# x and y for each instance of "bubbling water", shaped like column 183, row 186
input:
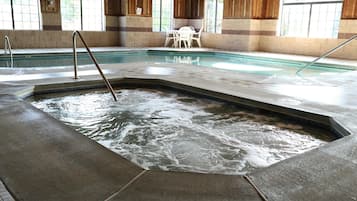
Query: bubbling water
column 170, row 131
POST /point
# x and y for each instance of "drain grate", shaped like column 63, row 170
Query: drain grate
column 4, row 194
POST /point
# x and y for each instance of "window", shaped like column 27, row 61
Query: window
column 93, row 15
column 311, row 18
column 214, row 15
column 20, row 14
column 86, row 15
column 162, row 14
column 5, row 15
column 71, row 15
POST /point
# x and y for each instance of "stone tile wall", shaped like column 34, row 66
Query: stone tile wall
column 237, row 34
column 136, row 31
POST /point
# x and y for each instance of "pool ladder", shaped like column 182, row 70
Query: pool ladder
column 74, row 37
column 328, row 53
column 8, row 50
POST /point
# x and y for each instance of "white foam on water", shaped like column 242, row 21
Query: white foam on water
column 168, row 131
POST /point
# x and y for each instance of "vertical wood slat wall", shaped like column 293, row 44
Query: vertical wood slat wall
column 194, row 9
column 272, row 9
column 349, row 10
column 146, row 6
column 227, row 8
column 243, row 8
column 251, row 9
column 131, row 7
column 114, row 7
column 197, row 9
column 258, row 8
column 189, row 9
column 179, row 8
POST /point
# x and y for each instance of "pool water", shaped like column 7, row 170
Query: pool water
column 225, row 61
column 159, row 129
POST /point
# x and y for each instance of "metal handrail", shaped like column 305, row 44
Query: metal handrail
column 328, row 53
column 7, row 47
column 74, row 37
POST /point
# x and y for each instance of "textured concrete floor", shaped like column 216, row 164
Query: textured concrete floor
column 41, row 159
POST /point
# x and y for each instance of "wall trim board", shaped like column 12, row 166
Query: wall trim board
column 135, row 29
column 52, row 27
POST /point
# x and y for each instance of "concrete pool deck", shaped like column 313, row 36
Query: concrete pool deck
column 42, row 159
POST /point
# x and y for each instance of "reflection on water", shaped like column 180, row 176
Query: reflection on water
column 194, row 60
column 170, row 131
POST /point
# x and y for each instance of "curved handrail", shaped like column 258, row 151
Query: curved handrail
column 328, row 53
column 74, row 37
column 7, row 47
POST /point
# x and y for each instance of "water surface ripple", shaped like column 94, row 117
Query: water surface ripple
column 171, row 131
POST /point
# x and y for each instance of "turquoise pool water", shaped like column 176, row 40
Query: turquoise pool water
column 225, row 61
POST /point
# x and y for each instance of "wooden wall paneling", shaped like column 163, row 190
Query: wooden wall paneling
column 247, row 9
column 188, row 8
column 228, row 8
column 175, row 7
column 193, row 11
column 196, row 8
column 113, row 8
column 238, row 10
column 150, row 7
column 147, row 7
column 243, row 9
column 255, row 9
column 258, row 9
column 271, row 9
column 349, row 10
column 179, row 8
column 131, row 7
column 201, row 9
column 183, row 9
column 124, row 5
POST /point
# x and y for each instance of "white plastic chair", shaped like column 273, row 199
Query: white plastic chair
column 197, row 37
column 171, row 35
column 185, row 35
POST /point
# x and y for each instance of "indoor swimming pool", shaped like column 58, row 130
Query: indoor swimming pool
column 226, row 61
column 171, row 131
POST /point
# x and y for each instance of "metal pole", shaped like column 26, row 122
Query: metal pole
column 75, row 54
column 7, row 47
column 12, row 14
column 109, row 86
column 215, row 17
column 309, row 23
column 161, row 15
